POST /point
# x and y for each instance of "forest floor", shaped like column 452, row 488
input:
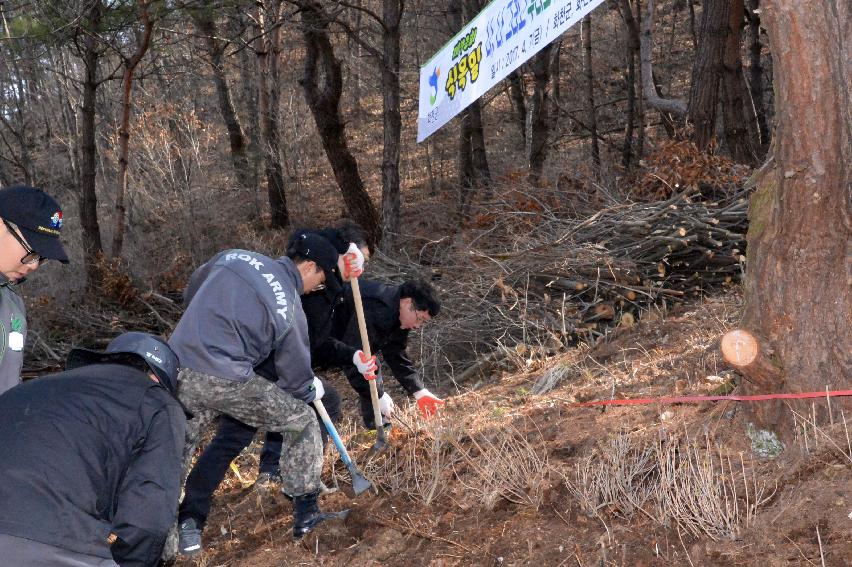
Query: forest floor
column 447, row 498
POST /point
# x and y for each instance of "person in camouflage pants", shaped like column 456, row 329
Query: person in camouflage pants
column 242, row 308
column 259, row 403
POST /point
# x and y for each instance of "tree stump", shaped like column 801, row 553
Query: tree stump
column 751, row 358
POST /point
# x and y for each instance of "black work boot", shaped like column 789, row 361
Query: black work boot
column 307, row 514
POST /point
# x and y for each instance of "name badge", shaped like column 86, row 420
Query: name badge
column 16, row 341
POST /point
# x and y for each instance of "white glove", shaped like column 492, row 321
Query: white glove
column 318, row 389
column 366, row 366
column 351, row 263
column 386, row 405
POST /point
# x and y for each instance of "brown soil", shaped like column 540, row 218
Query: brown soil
column 808, row 520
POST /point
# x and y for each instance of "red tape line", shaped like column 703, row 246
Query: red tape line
column 701, row 399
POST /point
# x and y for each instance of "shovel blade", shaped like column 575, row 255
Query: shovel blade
column 359, row 483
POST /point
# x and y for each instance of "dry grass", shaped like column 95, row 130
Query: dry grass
column 678, row 480
column 470, row 453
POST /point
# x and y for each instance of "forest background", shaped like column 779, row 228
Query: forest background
column 660, row 174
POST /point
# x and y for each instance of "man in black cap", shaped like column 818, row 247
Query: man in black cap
column 90, row 459
column 232, row 435
column 29, row 235
column 244, row 307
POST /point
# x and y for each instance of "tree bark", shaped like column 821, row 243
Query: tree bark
column 635, row 102
column 473, row 170
column 130, row 65
column 707, row 71
column 649, row 90
column 204, row 19
column 269, row 14
column 755, row 50
column 88, row 199
column 586, row 32
column 517, row 96
column 323, row 84
column 737, row 115
column 392, row 122
column 797, row 285
column 538, row 115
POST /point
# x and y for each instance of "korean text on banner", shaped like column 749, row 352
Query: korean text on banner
column 505, row 34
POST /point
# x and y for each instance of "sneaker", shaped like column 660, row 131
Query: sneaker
column 189, row 537
column 266, row 480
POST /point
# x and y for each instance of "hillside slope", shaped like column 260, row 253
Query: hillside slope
column 509, row 477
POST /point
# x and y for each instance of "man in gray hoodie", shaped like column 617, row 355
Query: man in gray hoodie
column 243, row 306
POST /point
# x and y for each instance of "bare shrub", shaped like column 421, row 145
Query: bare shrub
column 831, row 437
column 677, row 479
column 420, row 466
column 503, row 465
column 486, row 460
column 615, row 476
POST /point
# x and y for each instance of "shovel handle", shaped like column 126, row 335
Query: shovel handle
column 332, row 431
column 365, row 346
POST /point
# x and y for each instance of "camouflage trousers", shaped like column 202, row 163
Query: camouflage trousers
column 262, row 404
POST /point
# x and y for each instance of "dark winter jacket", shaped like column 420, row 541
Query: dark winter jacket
column 90, row 452
column 381, row 313
column 241, row 308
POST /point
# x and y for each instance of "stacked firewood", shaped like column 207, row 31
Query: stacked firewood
column 643, row 253
column 562, row 279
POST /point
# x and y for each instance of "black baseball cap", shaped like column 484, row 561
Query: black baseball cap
column 312, row 246
column 39, row 218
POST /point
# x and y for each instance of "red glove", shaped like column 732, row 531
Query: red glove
column 366, row 366
column 351, row 263
column 427, row 402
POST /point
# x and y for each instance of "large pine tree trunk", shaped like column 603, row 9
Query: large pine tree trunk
column 707, row 70
column 473, row 171
column 323, row 86
column 797, row 286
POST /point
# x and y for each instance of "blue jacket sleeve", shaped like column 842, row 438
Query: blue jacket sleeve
column 146, row 505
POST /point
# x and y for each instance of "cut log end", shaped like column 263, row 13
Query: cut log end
column 751, row 357
column 740, row 348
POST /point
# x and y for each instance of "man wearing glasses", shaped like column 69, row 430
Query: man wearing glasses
column 391, row 312
column 29, row 235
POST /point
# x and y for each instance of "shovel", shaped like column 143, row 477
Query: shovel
column 381, row 437
column 359, row 483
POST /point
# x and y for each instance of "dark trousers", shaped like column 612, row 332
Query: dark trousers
column 232, row 436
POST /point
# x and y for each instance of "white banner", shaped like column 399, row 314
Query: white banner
column 496, row 42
